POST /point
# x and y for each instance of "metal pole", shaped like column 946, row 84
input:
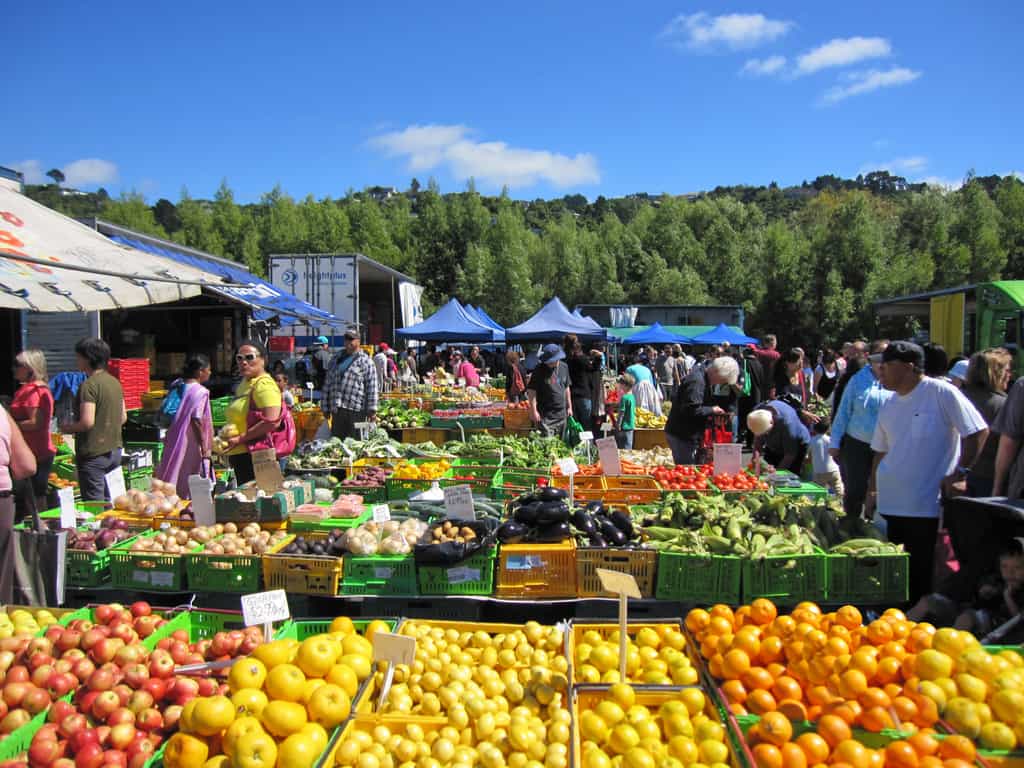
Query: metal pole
column 108, row 273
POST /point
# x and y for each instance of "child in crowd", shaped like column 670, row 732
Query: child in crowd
column 999, row 597
column 826, row 471
column 281, row 378
column 625, row 420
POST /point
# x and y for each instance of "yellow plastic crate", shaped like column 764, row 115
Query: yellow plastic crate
column 642, row 564
column 153, row 400
column 303, row 574
column 606, row 629
column 536, row 570
column 632, row 489
column 585, row 487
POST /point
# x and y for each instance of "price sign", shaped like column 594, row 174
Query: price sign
column 568, row 466
column 461, row 382
column 458, row 502
column 267, row 470
column 381, row 513
column 728, row 458
column 201, row 490
column 586, row 437
column 608, row 455
column 624, row 585
column 66, row 497
column 265, row 608
column 363, row 426
column 115, row 483
column 394, row 649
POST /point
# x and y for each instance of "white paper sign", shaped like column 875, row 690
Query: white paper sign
column 586, row 436
column 363, row 426
column 201, row 489
column 728, row 458
column 66, row 497
column 115, row 483
column 381, row 513
column 265, row 608
column 568, row 466
column 458, row 502
column 608, row 455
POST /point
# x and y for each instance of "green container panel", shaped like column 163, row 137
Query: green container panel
column 879, row 580
column 473, row 576
column 786, row 580
column 698, row 579
column 379, row 575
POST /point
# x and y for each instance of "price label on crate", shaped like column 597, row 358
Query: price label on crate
column 264, row 608
column 66, row 497
column 267, row 470
column 728, row 458
column 458, row 502
column 115, row 483
column 381, row 513
column 161, row 579
column 608, row 455
column 625, row 586
column 568, row 466
column 393, row 649
column 201, row 489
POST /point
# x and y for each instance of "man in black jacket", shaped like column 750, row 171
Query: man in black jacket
column 753, row 371
column 688, row 419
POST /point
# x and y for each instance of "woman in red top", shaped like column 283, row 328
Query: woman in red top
column 32, row 409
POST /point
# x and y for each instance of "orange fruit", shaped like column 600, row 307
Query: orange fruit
column 734, row 691
column 715, row 665
column 720, row 609
column 775, row 728
column 924, row 743
column 876, row 758
column 785, row 687
column 929, row 761
column 833, row 729
column 742, row 616
column 874, row 697
column 763, row 611
column 783, row 626
column 793, row 709
column 719, row 625
column 771, row 650
column 793, row 756
column 927, row 712
column 757, row 678
column 849, row 617
column 905, row 709
column 767, row 756
column 894, row 613
column 892, row 690
column 918, row 640
column 888, row 670
column 820, row 695
column 852, row 683
column 760, row 701
column 901, row 629
column 852, row 752
column 814, row 747
column 879, row 632
column 876, row 719
column 734, row 664
column 697, row 620
column 837, row 646
column 957, row 747
column 748, row 643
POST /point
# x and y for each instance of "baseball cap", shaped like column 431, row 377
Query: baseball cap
column 551, row 353
column 903, row 352
column 351, row 333
column 959, row 370
column 322, row 340
column 384, row 346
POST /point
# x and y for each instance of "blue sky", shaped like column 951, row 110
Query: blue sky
column 550, row 98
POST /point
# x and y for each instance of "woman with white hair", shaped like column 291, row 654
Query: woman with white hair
column 32, row 411
column 779, row 435
column 692, row 407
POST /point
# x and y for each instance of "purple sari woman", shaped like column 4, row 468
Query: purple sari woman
column 190, row 436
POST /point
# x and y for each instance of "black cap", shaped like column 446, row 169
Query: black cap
column 351, row 333
column 904, row 352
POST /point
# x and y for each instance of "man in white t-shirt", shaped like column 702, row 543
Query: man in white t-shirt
column 921, row 435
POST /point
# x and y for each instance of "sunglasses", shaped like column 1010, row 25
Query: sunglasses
column 248, row 358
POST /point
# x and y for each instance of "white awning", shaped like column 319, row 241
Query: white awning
column 67, row 267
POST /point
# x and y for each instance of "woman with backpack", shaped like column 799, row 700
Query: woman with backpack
column 190, row 434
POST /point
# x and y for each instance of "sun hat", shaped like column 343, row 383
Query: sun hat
column 551, row 353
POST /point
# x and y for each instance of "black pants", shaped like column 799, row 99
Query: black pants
column 744, row 407
column 241, row 463
column 343, row 423
column 918, row 536
column 797, row 465
column 92, row 473
column 855, row 459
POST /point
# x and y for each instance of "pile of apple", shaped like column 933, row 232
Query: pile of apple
column 126, row 698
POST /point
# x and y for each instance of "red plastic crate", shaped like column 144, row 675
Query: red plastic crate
column 282, row 344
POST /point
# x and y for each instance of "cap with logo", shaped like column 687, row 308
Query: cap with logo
column 903, row 352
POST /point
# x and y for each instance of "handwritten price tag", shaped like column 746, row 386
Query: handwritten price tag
column 608, row 455
column 202, row 499
column 381, row 513
column 728, row 458
column 66, row 497
column 568, row 466
column 618, row 583
column 586, row 437
column 265, row 607
column 458, row 502
column 395, row 649
column 115, row 483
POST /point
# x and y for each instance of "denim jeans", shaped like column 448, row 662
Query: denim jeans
column 624, row 439
column 92, row 473
column 683, row 451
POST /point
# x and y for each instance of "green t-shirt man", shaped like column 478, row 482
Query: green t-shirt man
column 627, row 412
column 105, row 392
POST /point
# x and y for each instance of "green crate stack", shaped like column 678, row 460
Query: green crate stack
column 878, row 579
column 206, row 572
column 473, row 576
column 301, row 629
column 139, row 480
column 328, row 524
column 477, row 477
column 88, row 569
column 787, row 579
column 157, row 449
column 146, row 570
column 698, row 578
column 65, row 470
column 511, row 482
column 379, row 575
column 218, row 410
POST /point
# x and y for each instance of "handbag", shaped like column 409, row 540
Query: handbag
column 282, row 438
column 38, row 555
column 572, row 432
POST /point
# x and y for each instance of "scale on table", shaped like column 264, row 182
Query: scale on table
column 782, row 480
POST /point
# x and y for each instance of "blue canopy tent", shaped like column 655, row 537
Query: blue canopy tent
column 450, row 323
column 552, row 322
column 723, row 334
column 477, row 314
column 656, row 334
column 490, row 320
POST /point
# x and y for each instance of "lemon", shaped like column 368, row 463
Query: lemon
column 623, row 695
column 684, row 749
column 693, row 699
column 648, row 637
column 713, row 751
column 623, row 738
column 997, row 736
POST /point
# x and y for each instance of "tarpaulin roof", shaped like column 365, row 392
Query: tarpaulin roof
column 723, row 334
column 450, row 323
column 656, row 334
column 481, row 317
column 266, row 300
column 72, row 268
column 552, row 321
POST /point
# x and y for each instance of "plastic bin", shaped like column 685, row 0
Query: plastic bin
column 786, row 579
column 632, row 489
column 698, row 579
column 473, row 576
column 303, row 574
column 145, row 571
column 585, row 487
column 88, row 569
column 879, row 579
column 379, row 575
column 536, row 570
column 640, row 563
column 226, row 573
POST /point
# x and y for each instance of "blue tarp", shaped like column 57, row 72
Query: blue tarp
column 554, row 321
column 490, row 320
column 722, row 334
column 450, row 323
column 476, row 314
column 268, row 300
column 656, row 334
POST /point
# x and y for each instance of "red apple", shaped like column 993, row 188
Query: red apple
column 104, row 705
column 61, row 683
column 171, row 716
column 139, row 701
column 93, row 636
column 207, row 686
column 44, row 752
column 54, row 632
column 90, row 756
column 64, row 762
column 141, row 608
column 47, row 731
column 179, row 652
column 103, row 735
column 36, row 701
column 141, row 746
column 161, row 665
column 126, row 633
column 131, row 654
column 124, row 692
column 6, row 659
column 120, row 716
column 104, row 614
column 84, row 699
column 13, row 720
column 83, row 669
column 40, row 660
column 101, row 680
column 185, row 689
column 68, row 639
column 81, row 625
column 72, row 724
column 180, row 635
column 39, row 645
column 149, row 719
column 41, row 674
column 59, row 711
column 14, row 693
column 64, row 666
column 122, row 735
column 3, row 709
column 157, row 688
column 18, row 674
column 115, row 758
column 105, row 650
column 145, row 625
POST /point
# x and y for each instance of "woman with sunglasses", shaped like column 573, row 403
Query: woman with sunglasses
column 259, row 389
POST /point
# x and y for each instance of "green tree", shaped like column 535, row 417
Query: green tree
column 1010, row 201
column 197, row 230
column 228, row 221
column 976, row 228
column 282, row 227
column 131, row 211
column 327, row 226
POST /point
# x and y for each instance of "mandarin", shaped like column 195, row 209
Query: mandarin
column 767, row 756
column 833, row 729
column 760, row 701
column 814, row 747
column 763, row 611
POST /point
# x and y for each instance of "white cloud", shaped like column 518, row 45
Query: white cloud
column 701, row 31
column 89, row 171
column 898, row 165
column 86, row 172
column 841, row 52
column 492, row 162
column 872, row 80
column 763, row 67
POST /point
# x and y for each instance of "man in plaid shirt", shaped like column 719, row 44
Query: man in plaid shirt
column 350, row 388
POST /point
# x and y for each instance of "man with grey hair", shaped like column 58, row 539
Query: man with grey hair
column 688, row 419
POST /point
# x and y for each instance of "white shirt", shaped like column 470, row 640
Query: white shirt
column 823, row 461
column 920, row 433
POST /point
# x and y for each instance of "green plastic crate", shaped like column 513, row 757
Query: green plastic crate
column 477, row 477
column 786, row 579
column 371, row 495
column 207, row 573
column 698, row 579
column 403, row 489
column 329, row 524
column 810, row 490
column 65, row 470
column 218, row 410
column 157, row 449
column 139, row 480
column 379, row 575
column 16, row 743
column 201, row 624
column 879, row 580
column 511, row 482
column 88, row 569
column 473, row 576
column 301, row 629
column 143, row 571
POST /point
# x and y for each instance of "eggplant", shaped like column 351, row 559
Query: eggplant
column 623, row 522
column 597, row 540
column 526, row 498
column 547, row 493
column 511, row 532
column 583, row 522
column 552, row 512
column 611, row 533
column 548, row 534
column 527, row 514
column 593, row 507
